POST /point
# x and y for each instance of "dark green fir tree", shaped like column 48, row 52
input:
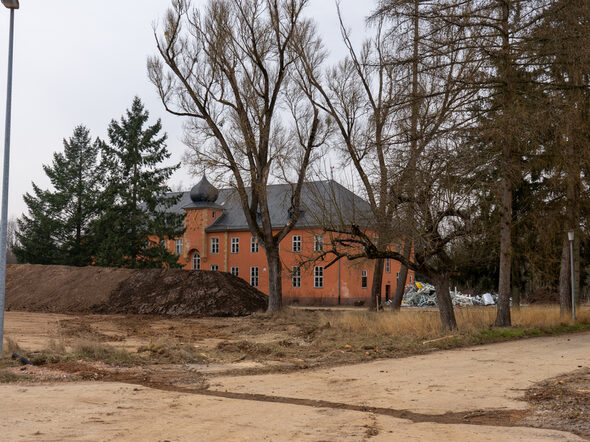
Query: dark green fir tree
column 56, row 230
column 134, row 204
column 36, row 238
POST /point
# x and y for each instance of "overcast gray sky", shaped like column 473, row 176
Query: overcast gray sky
column 82, row 62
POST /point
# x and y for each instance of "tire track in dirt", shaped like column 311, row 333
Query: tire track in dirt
column 157, row 380
column 484, row 417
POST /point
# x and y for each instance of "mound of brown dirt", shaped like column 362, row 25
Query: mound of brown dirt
column 185, row 293
column 62, row 289
column 543, row 296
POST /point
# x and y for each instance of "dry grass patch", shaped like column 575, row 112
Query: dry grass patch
column 304, row 337
column 425, row 323
column 172, row 352
column 10, row 347
column 547, row 316
column 96, row 351
column 8, row 377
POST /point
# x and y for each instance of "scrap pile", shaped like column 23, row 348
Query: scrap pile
column 424, row 295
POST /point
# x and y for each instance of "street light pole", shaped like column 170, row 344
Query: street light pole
column 12, row 5
column 570, row 237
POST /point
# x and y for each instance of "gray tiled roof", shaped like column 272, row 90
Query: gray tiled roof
column 323, row 203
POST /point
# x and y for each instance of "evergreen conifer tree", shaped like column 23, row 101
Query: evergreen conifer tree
column 56, row 228
column 134, row 204
column 37, row 242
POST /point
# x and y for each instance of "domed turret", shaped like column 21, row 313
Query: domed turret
column 204, row 192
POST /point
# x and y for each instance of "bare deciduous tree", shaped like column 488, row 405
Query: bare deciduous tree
column 400, row 123
column 233, row 71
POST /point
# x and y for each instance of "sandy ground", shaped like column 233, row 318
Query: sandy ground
column 490, row 376
column 31, row 333
column 107, row 411
column 486, row 377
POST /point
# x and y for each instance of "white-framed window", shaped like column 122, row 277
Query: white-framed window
column 296, row 243
column 364, row 279
column 235, row 271
column 411, row 279
column 397, row 275
column 214, row 267
column 196, row 261
column 235, row 245
column 387, row 265
column 214, row 246
column 296, row 276
column 253, row 245
column 318, row 277
column 254, row 276
column 163, row 243
column 318, row 243
column 178, row 246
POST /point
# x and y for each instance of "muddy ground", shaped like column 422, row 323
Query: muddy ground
column 201, row 376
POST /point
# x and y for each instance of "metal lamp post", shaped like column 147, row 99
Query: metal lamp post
column 570, row 237
column 12, row 5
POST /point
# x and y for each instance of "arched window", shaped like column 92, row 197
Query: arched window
column 196, row 261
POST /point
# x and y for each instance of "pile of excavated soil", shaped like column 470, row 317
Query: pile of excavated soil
column 63, row 289
column 185, row 293
column 60, row 289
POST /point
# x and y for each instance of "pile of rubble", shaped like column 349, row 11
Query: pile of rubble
column 424, row 295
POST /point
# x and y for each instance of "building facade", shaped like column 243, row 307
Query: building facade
column 217, row 238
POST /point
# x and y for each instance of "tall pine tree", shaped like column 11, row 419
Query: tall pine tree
column 134, row 203
column 56, row 228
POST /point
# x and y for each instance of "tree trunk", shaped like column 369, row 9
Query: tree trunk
column 445, row 305
column 375, row 302
column 503, row 314
column 401, row 281
column 506, row 139
column 275, row 287
column 577, row 268
column 516, row 297
column 565, row 296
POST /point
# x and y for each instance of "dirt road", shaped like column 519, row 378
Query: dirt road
column 399, row 399
column 490, row 376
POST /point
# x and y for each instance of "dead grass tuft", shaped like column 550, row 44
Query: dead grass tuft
column 7, row 377
column 173, row 352
column 256, row 349
column 11, row 346
column 96, row 351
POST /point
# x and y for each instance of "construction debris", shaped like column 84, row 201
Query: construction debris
column 21, row 359
column 424, row 295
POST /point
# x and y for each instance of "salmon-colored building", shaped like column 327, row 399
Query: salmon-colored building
column 217, row 238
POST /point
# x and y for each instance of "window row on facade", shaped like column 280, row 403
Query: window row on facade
column 295, row 270
column 318, row 273
column 296, row 246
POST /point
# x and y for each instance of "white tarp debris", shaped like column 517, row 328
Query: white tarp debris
column 488, row 299
column 424, row 295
